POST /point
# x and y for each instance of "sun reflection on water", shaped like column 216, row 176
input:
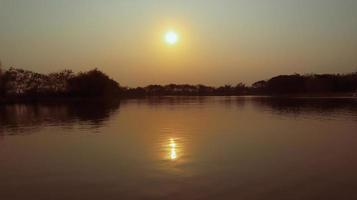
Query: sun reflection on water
column 173, row 153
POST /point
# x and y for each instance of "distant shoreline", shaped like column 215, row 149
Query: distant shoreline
column 18, row 85
column 20, row 100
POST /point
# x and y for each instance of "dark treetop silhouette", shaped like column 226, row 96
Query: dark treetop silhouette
column 19, row 84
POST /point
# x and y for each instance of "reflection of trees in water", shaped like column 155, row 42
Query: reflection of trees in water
column 190, row 100
column 20, row 117
column 172, row 100
column 236, row 101
column 297, row 106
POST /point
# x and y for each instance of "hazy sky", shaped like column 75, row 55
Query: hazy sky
column 221, row 41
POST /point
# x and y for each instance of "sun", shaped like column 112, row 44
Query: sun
column 171, row 37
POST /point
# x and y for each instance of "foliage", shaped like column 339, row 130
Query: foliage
column 21, row 83
column 308, row 84
column 93, row 83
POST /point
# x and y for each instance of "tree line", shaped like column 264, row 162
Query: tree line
column 308, row 84
column 17, row 83
column 20, row 83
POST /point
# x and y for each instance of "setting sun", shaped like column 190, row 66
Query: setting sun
column 171, row 37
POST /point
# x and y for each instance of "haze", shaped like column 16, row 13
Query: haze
column 221, row 42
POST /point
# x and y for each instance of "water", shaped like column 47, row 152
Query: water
column 180, row 148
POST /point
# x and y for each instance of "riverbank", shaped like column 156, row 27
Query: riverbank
column 11, row 100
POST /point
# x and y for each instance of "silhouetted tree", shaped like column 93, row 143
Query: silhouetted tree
column 154, row 90
column 2, row 88
column 286, row 84
column 93, row 83
column 21, row 83
column 205, row 90
column 133, row 92
column 225, row 90
column 259, row 87
column 240, row 89
column 307, row 84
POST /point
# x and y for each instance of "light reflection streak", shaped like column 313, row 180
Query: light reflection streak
column 173, row 154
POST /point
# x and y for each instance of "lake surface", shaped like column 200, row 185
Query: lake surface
column 180, row 148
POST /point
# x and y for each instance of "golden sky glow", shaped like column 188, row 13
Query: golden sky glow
column 212, row 42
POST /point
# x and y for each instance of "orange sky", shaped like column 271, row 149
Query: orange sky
column 221, row 42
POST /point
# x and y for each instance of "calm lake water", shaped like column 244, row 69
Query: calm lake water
column 180, row 148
